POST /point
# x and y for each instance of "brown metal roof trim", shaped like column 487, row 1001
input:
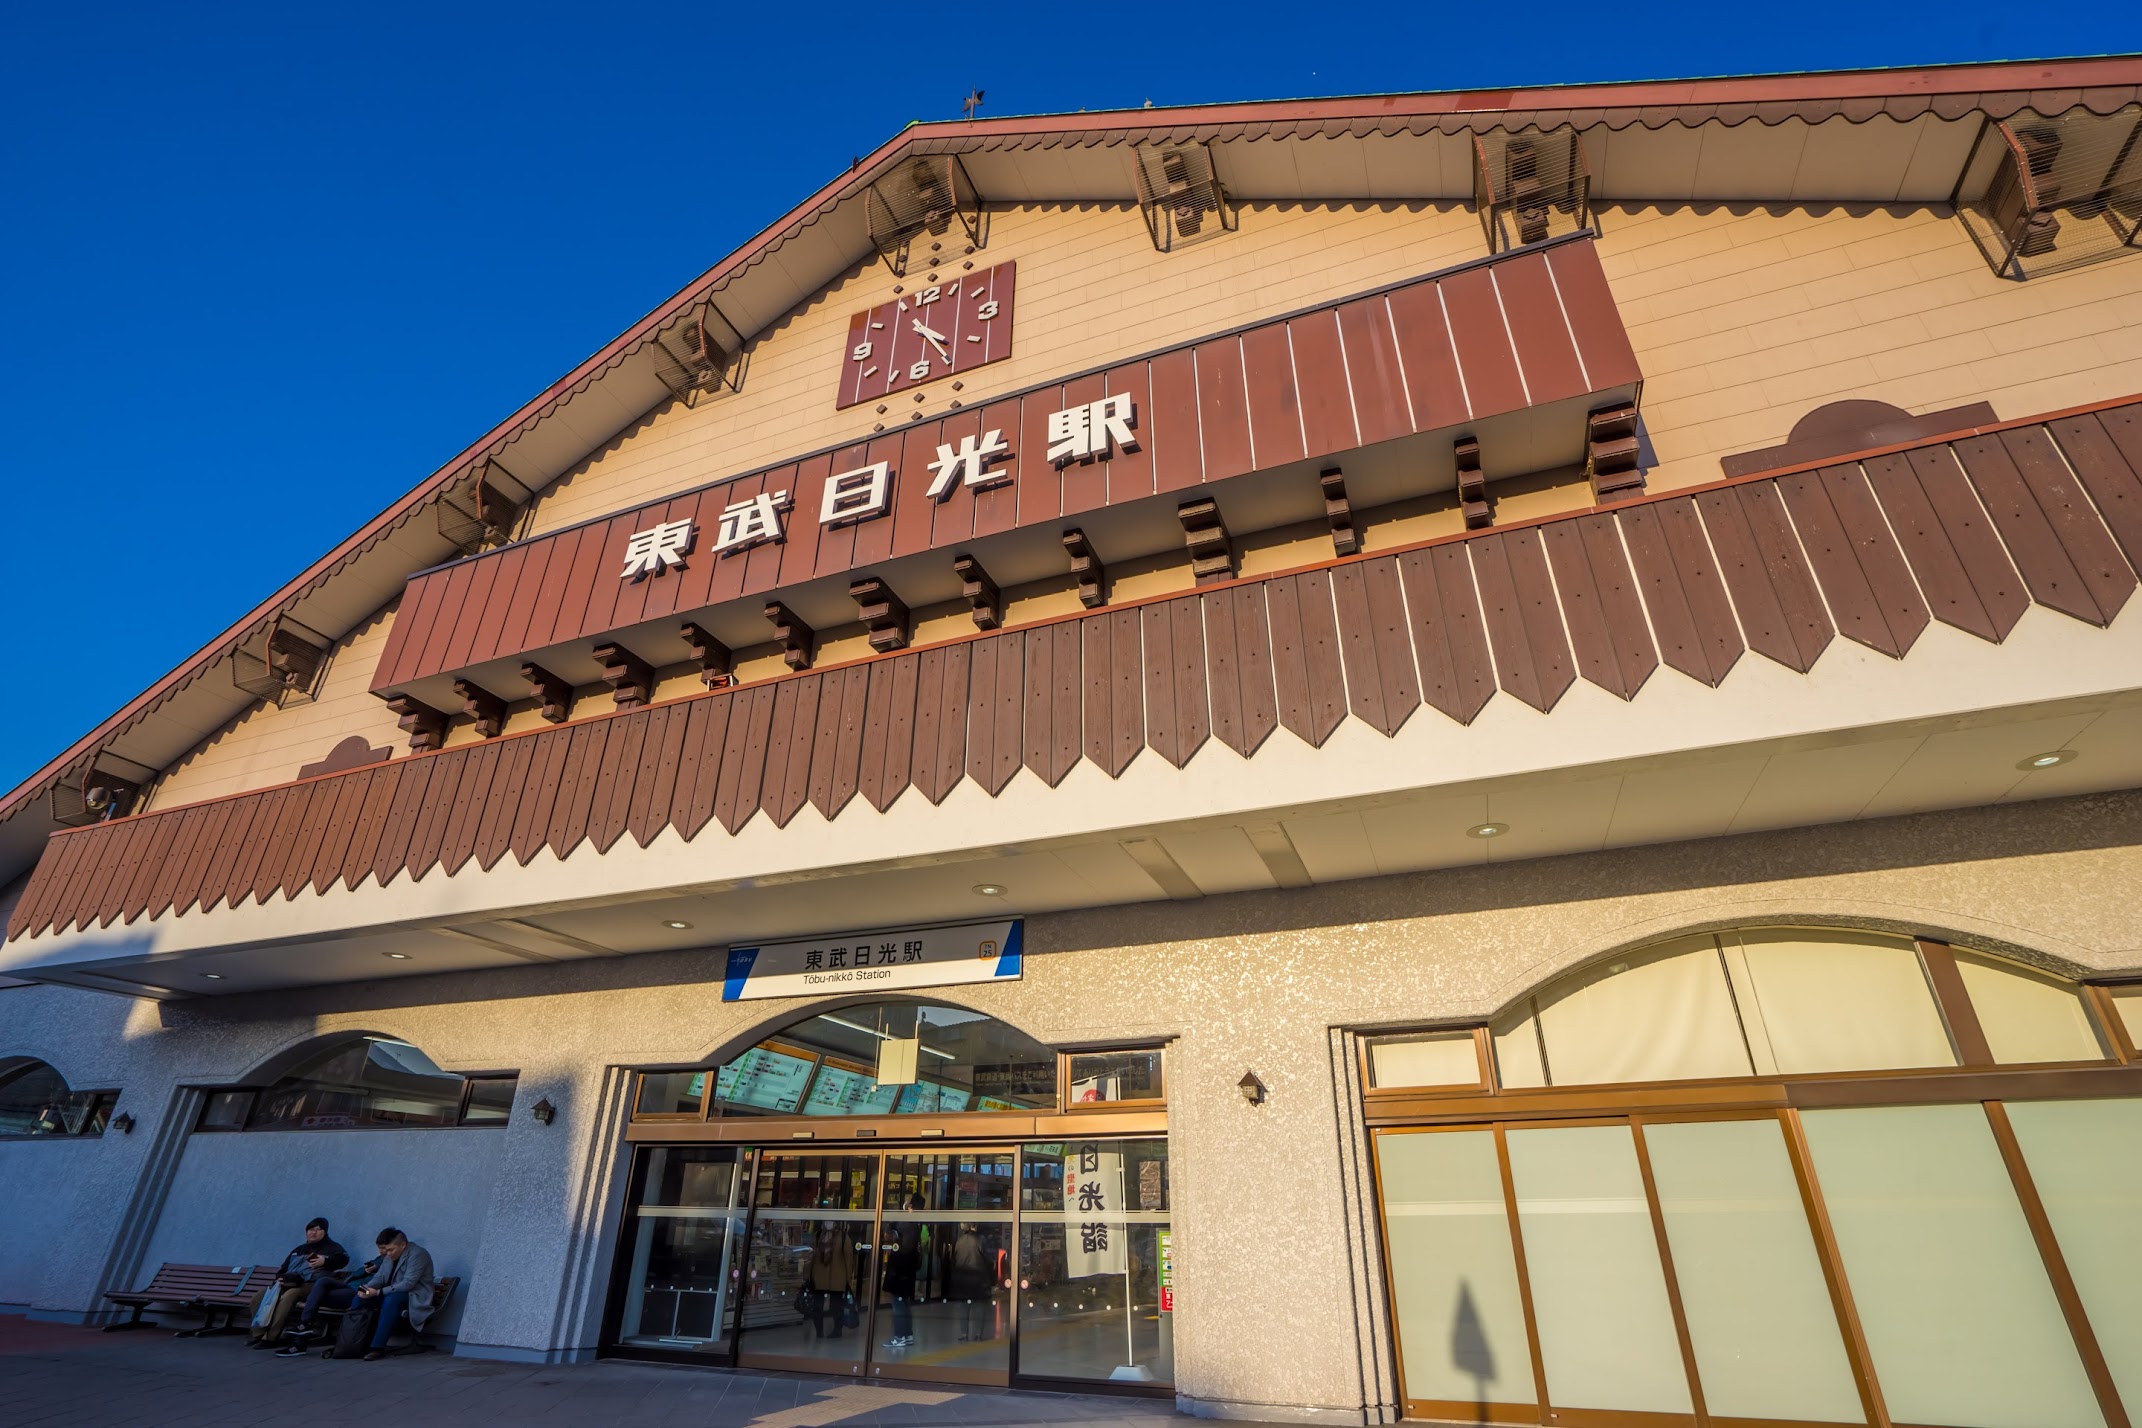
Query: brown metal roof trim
column 1968, row 530
column 2101, row 84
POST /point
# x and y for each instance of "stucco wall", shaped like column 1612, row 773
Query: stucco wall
column 244, row 1199
column 39, row 1184
column 1265, row 1196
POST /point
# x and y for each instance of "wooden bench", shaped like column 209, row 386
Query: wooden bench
column 442, row 1294
column 203, row 1288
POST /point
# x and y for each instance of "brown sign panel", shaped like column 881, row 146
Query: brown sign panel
column 1502, row 335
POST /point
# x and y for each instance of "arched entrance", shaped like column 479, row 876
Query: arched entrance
column 902, row 1190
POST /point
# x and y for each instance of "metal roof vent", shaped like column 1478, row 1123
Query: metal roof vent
column 2045, row 195
column 1181, row 196
column 476, row 511
column 929, row 195
column 699, row 354
column 1530, row 186
column 280, row 659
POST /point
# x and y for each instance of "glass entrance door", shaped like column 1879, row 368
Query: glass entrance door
column 897, row 1265
column 943, row 1295
column 1046, row 1264
column 811, row 1261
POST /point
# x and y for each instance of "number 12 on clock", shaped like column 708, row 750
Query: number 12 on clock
column 929, row 333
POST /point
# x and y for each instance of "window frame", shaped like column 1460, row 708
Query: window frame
column 2107, row 1075
column 1066, row 1106
column 92, row 1097
column 1483, row 1059
column 254, row 1091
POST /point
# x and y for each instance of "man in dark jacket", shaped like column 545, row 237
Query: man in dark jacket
column 313, row 1259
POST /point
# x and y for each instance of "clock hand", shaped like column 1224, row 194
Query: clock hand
column 935, row 339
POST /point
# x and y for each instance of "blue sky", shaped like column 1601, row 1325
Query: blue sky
column 262, row 269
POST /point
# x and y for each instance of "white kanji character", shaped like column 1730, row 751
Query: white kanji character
column 857, row 495
column 1071, row 434
column 1112, row 417
column 969, row 464
column 1089, row 429
column 654, row 550
column 747, row 523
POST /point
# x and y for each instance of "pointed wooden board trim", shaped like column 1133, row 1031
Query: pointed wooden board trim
column 1969, row 531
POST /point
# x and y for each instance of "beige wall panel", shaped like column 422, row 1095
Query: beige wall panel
column 1744, row 320
column 266, row 745
column 1091, row 288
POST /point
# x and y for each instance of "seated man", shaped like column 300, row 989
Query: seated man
column 400, row 1279
column 317, row 1258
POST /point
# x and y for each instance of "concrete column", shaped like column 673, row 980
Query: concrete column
column 536, row 1295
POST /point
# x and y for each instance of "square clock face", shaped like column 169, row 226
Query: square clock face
column 927, row 334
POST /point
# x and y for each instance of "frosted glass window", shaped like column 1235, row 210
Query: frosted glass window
column 1517, row 1052
column 1446, row 1060
column 2027, row 1016
column 1663, row 1015
column 1958, row 1313
column 1598, row 1293
column 1841, row 1001
column 1461, row 1322
column 2085, row 1157
column 1759, row 1313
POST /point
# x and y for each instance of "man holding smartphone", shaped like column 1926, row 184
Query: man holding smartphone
column 315, row 1257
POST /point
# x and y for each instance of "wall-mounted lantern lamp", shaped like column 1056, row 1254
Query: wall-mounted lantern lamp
column 543, row 1111
column 1251, row 1088
column 123, row 1123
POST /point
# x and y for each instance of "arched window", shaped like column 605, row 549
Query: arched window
column 1772, row 1001
column 35, row 1100
column 880, row 1059
column 363, row 1083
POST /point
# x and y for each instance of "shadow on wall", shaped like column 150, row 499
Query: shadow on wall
column 244, row 1197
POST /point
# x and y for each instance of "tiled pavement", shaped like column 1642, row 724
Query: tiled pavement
column 56, row 1376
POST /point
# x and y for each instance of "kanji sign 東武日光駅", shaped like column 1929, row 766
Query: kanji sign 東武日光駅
column 1085, row 432
column 883, row 960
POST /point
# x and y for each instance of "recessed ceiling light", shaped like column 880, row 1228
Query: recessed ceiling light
column 675, row 925
column 1487, row 830
column 397, row 956
column 2051, row 759
column 990, row 889
column 213, row 976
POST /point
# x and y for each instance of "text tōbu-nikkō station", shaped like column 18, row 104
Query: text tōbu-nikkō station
column 1472, row 757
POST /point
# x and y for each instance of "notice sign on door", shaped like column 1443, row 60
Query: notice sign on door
column 876, row 961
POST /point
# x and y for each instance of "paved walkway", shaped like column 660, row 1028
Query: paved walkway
column 55, row 1375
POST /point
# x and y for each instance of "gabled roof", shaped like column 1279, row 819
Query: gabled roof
column 1062, row 157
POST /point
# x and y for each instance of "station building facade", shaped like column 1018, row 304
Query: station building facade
column 1468, row 757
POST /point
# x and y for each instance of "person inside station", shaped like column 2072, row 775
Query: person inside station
column 903, row 1262
column 829, row 1278
column 973, row 1284
column 400, row 1278
column 316, row 1257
